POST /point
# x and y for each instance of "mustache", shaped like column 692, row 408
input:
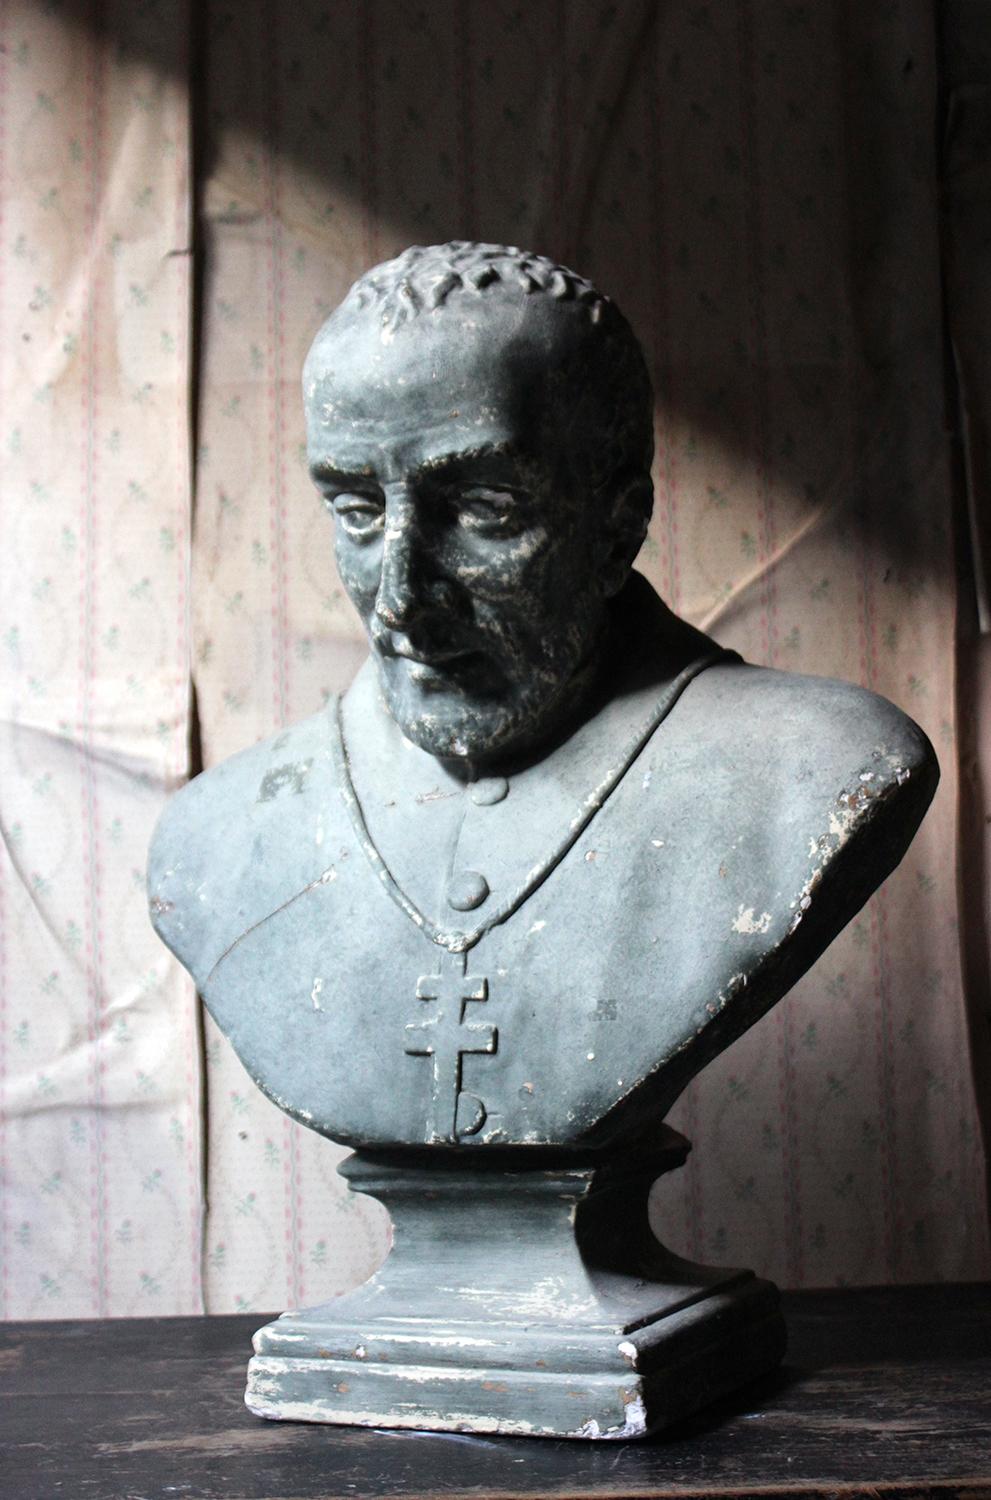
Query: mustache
column 393, row 643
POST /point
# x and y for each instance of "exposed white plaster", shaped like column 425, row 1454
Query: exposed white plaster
column 747, row 923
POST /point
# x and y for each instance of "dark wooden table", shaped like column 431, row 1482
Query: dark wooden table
column 883, row 1393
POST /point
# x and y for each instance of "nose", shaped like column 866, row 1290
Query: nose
column 398, row 600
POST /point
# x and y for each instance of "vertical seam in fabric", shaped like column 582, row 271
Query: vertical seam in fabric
column 784, row 1020
column 277, row 540
column 560, row 229
column 467, row 122
column 4, row 1205
column 365, row 17
column 87, row 637
column 661, row 282
column 184, row 237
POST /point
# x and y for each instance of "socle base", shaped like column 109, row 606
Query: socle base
column 528, row 1301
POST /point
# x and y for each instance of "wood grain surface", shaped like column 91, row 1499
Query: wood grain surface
column 883, row 1392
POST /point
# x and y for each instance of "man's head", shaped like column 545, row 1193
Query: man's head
column 479, row 422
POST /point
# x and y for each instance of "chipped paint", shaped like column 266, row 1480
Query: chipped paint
column 747, row 923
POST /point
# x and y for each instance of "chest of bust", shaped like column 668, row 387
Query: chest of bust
column 601, row 956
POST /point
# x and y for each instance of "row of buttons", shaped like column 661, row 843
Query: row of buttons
column 467, row 889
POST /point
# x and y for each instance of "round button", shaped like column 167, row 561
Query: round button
column 466, row 890
column 488, row 790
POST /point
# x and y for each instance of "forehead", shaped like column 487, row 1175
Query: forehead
column 470, row 375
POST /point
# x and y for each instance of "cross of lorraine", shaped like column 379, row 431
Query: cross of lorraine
column 447, row 1037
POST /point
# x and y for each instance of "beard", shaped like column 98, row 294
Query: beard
column 474, row 717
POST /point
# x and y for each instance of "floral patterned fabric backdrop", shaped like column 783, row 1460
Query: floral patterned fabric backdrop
column 756, row 186
column 100, row 1140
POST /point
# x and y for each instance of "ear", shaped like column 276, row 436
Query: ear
column 628, row 515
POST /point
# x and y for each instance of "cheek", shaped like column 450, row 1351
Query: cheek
column 514, row 574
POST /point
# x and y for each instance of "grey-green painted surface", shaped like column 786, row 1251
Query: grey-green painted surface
column 550, row 854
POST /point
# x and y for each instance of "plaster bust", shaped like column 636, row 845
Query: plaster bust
column 646, row 840
column 484, row 918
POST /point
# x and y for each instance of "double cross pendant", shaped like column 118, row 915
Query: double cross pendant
column 446, row 1037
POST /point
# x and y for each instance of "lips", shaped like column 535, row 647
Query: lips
column 417, row 656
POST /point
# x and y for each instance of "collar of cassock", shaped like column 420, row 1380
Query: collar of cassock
column 460, row 856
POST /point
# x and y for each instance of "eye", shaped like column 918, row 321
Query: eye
column 361, row 516
column 489, row 512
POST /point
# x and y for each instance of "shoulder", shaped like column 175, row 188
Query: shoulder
column 813, row 728
column 803, row 792
column 239, row 838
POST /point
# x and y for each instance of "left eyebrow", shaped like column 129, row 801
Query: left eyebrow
column 326, row 468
